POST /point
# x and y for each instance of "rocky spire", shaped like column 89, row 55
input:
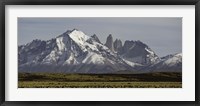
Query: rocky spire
column 109, row 42
column 96, row 38
column 117, row 45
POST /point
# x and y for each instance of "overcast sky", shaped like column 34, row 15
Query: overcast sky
column 163, row 35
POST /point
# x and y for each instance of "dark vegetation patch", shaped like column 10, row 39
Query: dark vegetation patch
column 61, row 77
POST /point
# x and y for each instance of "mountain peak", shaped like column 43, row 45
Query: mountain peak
column 75, row 29
column 178, row 54
column 96, row 38
column 78, row 36
column 141, row 43
column 117, row 45
column 110, row 36
column 109, row 42
column 75, row 34
column 70, row 31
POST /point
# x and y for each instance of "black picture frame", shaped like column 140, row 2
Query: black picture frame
column 99, row 2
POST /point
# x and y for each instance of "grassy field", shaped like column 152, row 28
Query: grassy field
column 58, row 80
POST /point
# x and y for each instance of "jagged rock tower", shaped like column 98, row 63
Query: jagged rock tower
column 109, row 42
column 117, row 45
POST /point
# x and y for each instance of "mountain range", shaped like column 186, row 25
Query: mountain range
column 75, row 52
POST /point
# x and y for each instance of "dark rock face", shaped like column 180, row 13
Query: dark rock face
column 138, row 52
column 96, row 38
column 134, row 48
column 117, row 45
column 127, row 46
column 31, row 50
column 109, row 42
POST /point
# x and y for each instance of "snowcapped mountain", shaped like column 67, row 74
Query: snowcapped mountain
column 72, row 51
column 169, row 63
column 75, row 52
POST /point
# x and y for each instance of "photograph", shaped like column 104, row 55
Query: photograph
column 99, row 52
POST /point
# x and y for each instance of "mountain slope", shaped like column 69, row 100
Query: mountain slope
column 171, row 63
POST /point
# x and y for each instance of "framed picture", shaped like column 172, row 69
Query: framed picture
column 100, row 52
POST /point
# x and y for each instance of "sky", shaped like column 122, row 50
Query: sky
column 162, row 34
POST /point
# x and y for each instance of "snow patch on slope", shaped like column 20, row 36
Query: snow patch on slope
column 151, row 52
column 174, row 60
column 60, row 43
column 94, row 59
column 71, row 60
column 131, row 63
